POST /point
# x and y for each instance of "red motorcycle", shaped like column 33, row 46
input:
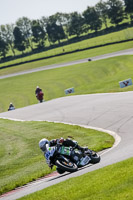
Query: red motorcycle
column 39, row 96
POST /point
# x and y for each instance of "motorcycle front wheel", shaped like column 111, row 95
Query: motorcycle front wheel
column 95, row 158
column 66, row 165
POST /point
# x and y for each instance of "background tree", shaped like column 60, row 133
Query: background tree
column 24, row 24
column 92, row 18
column 39, row 35
column 3, row 47
column 62, row 19
column 129, row 8
column 102, row 8
column 115, row 11
column 43, row 22
column 55, row 32
column 7, row 35
column 19, row 42
column 75, row 24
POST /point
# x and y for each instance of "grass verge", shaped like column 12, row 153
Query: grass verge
column 91, row 77
column 21, row 160
column 101, row 184
column 117, row 36
column 69, row 57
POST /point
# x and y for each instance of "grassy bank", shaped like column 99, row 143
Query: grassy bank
column 110, row 183
column 69, row 57
column 21, row 160
column 117, row 36
column 92, row 77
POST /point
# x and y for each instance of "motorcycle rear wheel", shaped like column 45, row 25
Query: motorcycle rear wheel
column 66, row 166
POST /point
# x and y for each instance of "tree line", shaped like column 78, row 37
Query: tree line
column 26, row 33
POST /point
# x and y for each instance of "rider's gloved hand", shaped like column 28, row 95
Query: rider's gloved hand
column 61, row 140
column 51, row 165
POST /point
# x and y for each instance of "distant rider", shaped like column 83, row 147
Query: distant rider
column 39, row 94
column 11, row 107
column 38, row 90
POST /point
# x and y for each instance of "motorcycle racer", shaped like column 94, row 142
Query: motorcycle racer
column 11, row 107
column 37, row 90
column 45, row 144
column 39, row 94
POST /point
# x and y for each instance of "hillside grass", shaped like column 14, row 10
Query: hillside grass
column 101, row 76
column 109, row 183
column 68, row 58
column 121, row 35
column 21, row 160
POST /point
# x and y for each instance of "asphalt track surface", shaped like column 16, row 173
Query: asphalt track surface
column 109, row 112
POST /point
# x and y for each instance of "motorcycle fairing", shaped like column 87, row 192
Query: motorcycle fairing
column 84, row 161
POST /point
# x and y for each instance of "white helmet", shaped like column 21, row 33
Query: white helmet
column 42, row 144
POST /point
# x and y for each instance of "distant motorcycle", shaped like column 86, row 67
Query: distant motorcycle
column 70, row 159
column 11, row 108
column 39, row 96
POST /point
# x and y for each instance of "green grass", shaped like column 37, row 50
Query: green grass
column 47, row 44
column 100, row 40
column 21, row 160
column 110, row 183
column 69, row 57
column 91, row 77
